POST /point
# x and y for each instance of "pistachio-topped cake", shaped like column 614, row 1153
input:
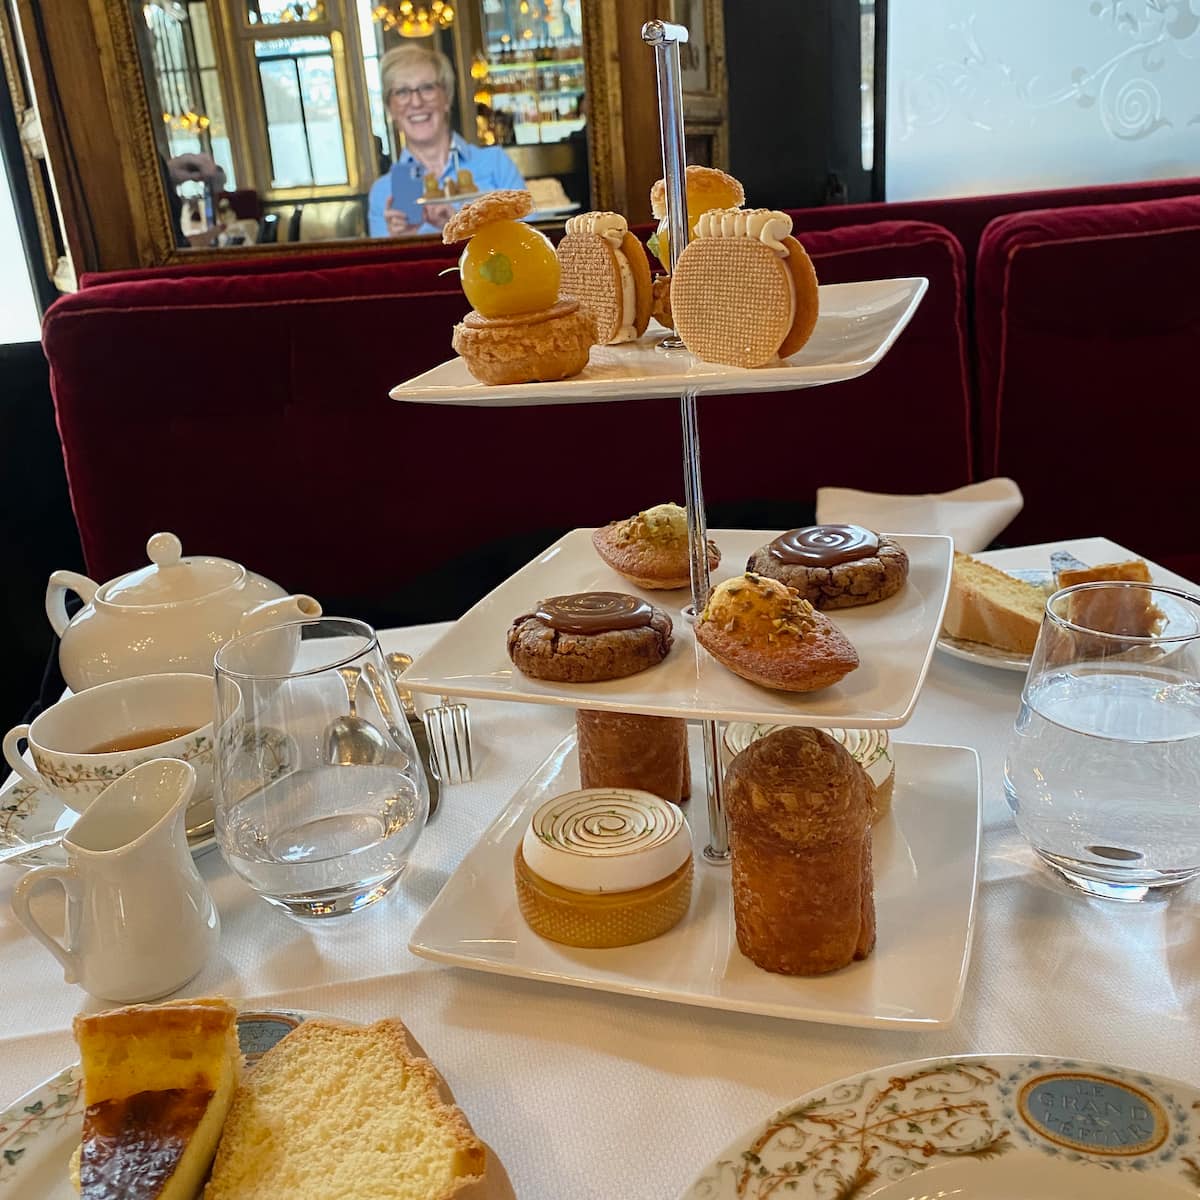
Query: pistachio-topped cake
column 651, row 547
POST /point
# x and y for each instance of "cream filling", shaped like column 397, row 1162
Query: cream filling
column 766, row 225
column 791, row 286
column 628, row 330
column 612, row 227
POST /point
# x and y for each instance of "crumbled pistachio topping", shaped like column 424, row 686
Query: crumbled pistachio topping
column 664, row 523
column 752, row 607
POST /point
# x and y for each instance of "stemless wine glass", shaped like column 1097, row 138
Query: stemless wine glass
column 319, row 800
column 1103, row 768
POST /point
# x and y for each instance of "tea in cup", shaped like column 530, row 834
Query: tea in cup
column 139, row 921
column 84, row 742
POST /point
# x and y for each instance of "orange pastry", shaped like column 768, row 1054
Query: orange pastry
column 519, row 331
column 744, row 291
column 604, row 267
column 706, row 188
column 651, row 548
column 763, row 631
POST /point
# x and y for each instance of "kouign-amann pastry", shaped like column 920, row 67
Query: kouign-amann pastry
column 588, row 637
column 604, row 867
column 834, row 566
column 705, row 188
column 519, row 331
column 604, row 267
column 800, row 838
column 158, row 1081
column 870, row 748
column 651, row 548
column 987, row 606
column 744, row 290
column 631, row 751
column 763, row 631
column 335, row 1110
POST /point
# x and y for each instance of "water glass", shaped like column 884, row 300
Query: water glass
column 1103, row 768
column 319, row 792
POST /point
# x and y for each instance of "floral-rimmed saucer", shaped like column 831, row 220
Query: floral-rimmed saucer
column 39, row 1132
column 974, row 1126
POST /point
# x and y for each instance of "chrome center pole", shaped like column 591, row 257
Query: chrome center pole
column 666, row 39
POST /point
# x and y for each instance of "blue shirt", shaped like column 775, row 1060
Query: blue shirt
column 490, row 167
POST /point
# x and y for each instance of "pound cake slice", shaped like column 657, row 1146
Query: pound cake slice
column 988, row 606
column 158, row 1080
column 336, row 1112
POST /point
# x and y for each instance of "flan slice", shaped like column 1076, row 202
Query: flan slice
column 158, row 1080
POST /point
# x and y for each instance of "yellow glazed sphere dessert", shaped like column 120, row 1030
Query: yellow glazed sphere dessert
column 509, row 268
column 604, row 867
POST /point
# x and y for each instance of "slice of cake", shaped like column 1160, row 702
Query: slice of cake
column 1130, row 611
column 339, row 1110
column 988, row 606
column 158, row 1080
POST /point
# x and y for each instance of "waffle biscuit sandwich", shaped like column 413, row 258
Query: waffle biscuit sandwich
column 604, row 267
column 744, row 291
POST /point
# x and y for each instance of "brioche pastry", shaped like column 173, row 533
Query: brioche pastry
column 834, row 566
column 604, row 867
column 337, row 1110
column 985, row 605
column 631, row 751
column 158, row 1081
column 604, row 267
column 763, row 631
column 870, row 748
column 588, row 637
column 744, row 292
column 800, row 839
column 651, row 548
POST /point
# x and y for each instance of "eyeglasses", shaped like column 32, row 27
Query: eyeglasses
column 426, row 91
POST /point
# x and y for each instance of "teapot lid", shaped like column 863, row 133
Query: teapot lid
column 170, row 578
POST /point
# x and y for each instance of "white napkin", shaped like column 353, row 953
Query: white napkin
column 971, row 515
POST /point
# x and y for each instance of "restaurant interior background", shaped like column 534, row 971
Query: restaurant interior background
column 825, row 102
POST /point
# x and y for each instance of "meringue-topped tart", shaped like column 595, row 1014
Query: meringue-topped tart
column 158, row 1081
column 604, row 867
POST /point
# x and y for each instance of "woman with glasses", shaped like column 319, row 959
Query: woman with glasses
column 418, row 86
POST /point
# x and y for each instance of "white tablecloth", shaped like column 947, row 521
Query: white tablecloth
column 585, row 1094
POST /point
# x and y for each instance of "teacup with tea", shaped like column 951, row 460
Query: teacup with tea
column 85, row 741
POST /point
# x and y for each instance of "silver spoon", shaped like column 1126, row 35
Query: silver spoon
column 351, row 741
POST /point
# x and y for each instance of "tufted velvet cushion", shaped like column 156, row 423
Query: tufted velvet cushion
column 1087, row 327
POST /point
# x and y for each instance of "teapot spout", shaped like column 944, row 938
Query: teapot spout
column 279, row 612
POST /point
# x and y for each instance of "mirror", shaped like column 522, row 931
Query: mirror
column 281, row 121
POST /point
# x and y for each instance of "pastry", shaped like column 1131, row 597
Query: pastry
column 158, row 1080
column 334, row 1110
column 651, row 548
column 604, row 867
column 518, row 330
column 764, row 632
column 986, row 605
column 706, row 188
column 627, row 750
column 870, row 748
column 834, row 566
column 800, row 840
column 588, row 637
column 604, row 267
column 744, row 292
column 1130, row 612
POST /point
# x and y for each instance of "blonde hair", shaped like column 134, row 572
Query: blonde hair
column 400, row 59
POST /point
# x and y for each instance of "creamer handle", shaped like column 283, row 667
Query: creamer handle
column 70, row 883
column 62, row 582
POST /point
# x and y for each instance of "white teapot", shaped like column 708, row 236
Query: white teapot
column 172, row 615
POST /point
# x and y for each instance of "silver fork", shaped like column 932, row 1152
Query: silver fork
column 449, row 727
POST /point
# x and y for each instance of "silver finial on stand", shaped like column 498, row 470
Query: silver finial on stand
column 666, row 39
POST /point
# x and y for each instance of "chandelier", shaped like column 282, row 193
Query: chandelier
column 414, row 20
column 186, row 122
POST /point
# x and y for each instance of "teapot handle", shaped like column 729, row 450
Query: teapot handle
column 62, row 582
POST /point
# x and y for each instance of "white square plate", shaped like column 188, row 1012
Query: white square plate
column 894, row 640
column 925, row 854
column 857, row 325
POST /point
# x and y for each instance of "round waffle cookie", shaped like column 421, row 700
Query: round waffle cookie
column 731, row 300
column 591, row 273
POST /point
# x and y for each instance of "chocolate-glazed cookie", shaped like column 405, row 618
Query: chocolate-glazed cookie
column 834, row 566
column 588, row 637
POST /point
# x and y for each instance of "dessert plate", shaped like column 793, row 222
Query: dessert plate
column 972, row 1127
column 1031, row 564
column 925, row 855
column 856, row 328
column 40, row 1132
column 894, row 640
